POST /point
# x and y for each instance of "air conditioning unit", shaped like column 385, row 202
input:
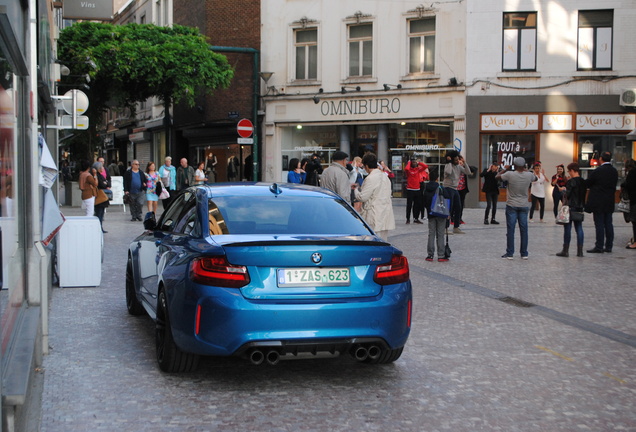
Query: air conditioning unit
column 628, row 98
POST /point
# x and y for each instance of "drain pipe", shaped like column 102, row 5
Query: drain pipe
column 256, row 95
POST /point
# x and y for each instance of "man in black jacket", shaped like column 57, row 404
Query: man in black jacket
column 600, row 202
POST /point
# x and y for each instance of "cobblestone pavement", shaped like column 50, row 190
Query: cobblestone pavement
column 547, row 344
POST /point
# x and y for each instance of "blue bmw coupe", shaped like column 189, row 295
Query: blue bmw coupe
column 267, row 272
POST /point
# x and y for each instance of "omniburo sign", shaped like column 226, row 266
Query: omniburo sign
column 88, row 9
column 349, row 107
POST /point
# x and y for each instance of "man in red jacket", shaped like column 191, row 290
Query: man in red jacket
column 414, row 172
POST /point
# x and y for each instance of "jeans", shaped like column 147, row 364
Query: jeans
column 514, row 214
column 604, row 230
column 567, row 233
column 491, row 201
column 137, row 204
column 436, row 227
column 456, row 206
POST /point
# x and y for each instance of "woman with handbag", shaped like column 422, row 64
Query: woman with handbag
column 101, row 199
column 88, row 186
column 574, row 197
column 153, row 182
column 629, row 186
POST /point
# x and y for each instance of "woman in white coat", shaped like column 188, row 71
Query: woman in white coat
column 375, row 195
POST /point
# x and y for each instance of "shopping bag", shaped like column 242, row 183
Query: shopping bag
column 164, row 194
column 563, row 217
column 440, row 206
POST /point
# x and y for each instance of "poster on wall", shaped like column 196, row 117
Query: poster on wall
column 502, row 149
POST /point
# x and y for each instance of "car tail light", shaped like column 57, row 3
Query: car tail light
column 394, row 272
column 217, row 271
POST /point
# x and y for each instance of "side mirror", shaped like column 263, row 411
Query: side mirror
column 150, row 223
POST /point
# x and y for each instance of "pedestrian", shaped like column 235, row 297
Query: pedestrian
column 152, row 177
column 135, row 185
column 168, row 174
column 462, row 189
column 491, row 189
column 313, row 170
column 199, row 174
column 103, row 184
column 87, row 183
column 296, row 174
column 600, row 202
column 452, row 171
column 185, row 175
column 436, row 224
column 113, row 168
column 519, row 182
column 336, row 176
column 414, row 199
column 574, row 197
column 558, row 187
column 357, row 176
column 537, row 192
column 375, row 195
column 629, row 186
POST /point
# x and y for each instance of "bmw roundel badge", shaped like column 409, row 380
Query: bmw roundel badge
column 316, row 257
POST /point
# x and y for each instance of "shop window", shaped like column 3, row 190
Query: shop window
column 306, row 46
column 519, row 41
column 502, row 149
column 595, row 40
column 12, row 225
column 590, row 148
column 421, row 45
column 360, row 40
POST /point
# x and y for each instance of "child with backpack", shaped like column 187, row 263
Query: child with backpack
column 437, row 223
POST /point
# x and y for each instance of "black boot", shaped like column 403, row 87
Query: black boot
column 565, row 251
column 486, row 221
column 579, row 251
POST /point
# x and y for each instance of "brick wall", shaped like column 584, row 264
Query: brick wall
column 228, row 23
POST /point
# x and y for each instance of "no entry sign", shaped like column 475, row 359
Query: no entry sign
column 245, row 128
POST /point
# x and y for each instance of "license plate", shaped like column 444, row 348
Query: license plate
column 311, row 276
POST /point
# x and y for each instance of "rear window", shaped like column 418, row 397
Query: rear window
column 283, row 215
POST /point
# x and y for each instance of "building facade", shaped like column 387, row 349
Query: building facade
column 544, row 81
column 27, row 73
column 362, row 75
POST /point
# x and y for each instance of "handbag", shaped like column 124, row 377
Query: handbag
column 577, row 216
column 158, row 187
column 563, row 217
column 164, row 194
column 624, row 204
column 127, row 199
column 101, row 197
column 440, row 206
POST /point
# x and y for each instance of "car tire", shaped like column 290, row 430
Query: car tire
column 387, row 356
column 169, row 356
column 132, row 303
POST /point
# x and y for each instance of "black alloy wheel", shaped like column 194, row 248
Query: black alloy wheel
column 169, row 356
column 132, row 303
